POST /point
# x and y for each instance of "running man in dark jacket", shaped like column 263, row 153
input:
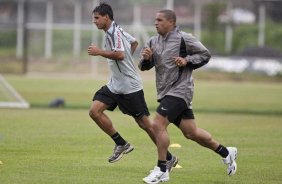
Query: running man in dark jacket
column 175, row 54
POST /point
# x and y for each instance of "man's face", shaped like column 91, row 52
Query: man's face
column 163, row 26
column 100, row 21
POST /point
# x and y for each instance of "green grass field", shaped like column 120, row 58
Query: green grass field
column 57, row 146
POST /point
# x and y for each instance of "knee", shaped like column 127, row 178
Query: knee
column 191, row 136
column 141, row 124
column 197, row 136
column 158, row 127
column 144, row 123
column 94, row 113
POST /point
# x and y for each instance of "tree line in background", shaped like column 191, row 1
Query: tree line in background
column 213, row 35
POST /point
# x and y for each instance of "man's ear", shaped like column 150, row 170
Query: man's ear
column 107, row 17
column 171, row 22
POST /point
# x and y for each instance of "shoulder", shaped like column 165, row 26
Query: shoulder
column 153, row 40
column 188, row 37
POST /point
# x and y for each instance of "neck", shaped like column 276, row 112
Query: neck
column 108, row 25
column 164, row 35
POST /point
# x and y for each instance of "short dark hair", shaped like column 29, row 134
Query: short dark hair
column 169, row 15
column 104, row 9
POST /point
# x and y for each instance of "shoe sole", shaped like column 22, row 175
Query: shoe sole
column 174, row 164
column 232, row 172
column 128, row 150
column 164, row 180
column 161, row 180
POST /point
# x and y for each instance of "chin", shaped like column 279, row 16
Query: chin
column 160, row 33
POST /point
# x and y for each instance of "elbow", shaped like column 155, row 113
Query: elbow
column 143, row 69
column 143, row 65
column 134, row 46
column 140, row 66
column 120, row 56
column 135, row 43
column 207, row 56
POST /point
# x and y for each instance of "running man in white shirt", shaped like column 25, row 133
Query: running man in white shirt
column 124, row 88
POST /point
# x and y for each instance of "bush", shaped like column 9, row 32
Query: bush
column 274, row 35
column 8, row 38
column 244, row 36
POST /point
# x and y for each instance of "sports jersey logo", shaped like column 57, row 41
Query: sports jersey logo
column 118, row 40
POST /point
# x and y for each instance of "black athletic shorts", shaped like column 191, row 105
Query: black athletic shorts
column 175, row 109
column 133, row 104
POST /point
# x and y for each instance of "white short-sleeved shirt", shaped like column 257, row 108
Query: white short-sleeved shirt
column 124, row 76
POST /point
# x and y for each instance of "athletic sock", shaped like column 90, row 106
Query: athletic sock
column 118, row 139
column 168, row 156
column 222, row 151
column 162, row 165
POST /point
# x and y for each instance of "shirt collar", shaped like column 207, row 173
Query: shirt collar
column 110, row 30
column 176, row 29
